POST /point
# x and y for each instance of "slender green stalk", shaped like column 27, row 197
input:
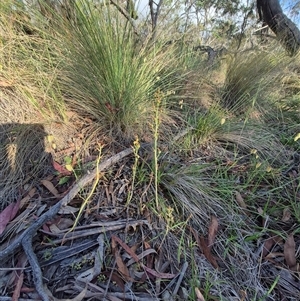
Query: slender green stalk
column 156, row 151
column 136, row 147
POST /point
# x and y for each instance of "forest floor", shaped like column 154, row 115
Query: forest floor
column 161, row 177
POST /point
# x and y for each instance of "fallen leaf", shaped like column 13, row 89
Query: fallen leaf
column 141, row 256
column 17, row 289
column 212, row 231
column 79, row 297
column 15, row 209
column 68, row 210
column 199, row 294
column 62, row 171
column 46, row 228
column 115, row 278
column 196, row 236
column 268, row 245
column 119, row 261
column 69, row 167
column 286, row 215
column 22, row 261
column 147, row 245
column 65, row 223
column 243, row 295
column 134, row 248
column 8, row 214
column 27, row 198
column 50, row 187
column 125, row 247
column 289, row 251
column 111, row 188
column 41, row 210
column 239, row 199
column 122, row 268
column 203, row 247
column 136, row 259
column 54, row 229
column 207, row 252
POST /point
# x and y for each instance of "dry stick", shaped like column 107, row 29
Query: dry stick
column 36, row 269
column 126, row 15
column 26, row 238
column 183, row 270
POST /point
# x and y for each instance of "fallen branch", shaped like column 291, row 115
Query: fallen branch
column 25, row 239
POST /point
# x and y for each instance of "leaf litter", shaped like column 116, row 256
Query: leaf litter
column 93, row 253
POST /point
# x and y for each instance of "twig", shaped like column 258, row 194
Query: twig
column 25, row 239
column 36, row 269
column 126, row 15
column 183, row 270
column 106, row 227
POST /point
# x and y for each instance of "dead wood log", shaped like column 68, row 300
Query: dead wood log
column 270, row 12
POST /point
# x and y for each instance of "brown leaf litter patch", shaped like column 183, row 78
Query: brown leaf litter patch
column 109, row 255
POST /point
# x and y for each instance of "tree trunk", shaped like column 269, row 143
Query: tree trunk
column 270, row 12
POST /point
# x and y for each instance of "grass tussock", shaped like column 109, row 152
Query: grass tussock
column 249, row 79
column 108, row 74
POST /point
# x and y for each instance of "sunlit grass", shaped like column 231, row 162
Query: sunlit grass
column 29, row 64
column 249, row 79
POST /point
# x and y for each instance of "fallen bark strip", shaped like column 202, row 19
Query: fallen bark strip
column 95, row 230
column 25, row 239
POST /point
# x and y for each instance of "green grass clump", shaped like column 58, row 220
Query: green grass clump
column 110, row 74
